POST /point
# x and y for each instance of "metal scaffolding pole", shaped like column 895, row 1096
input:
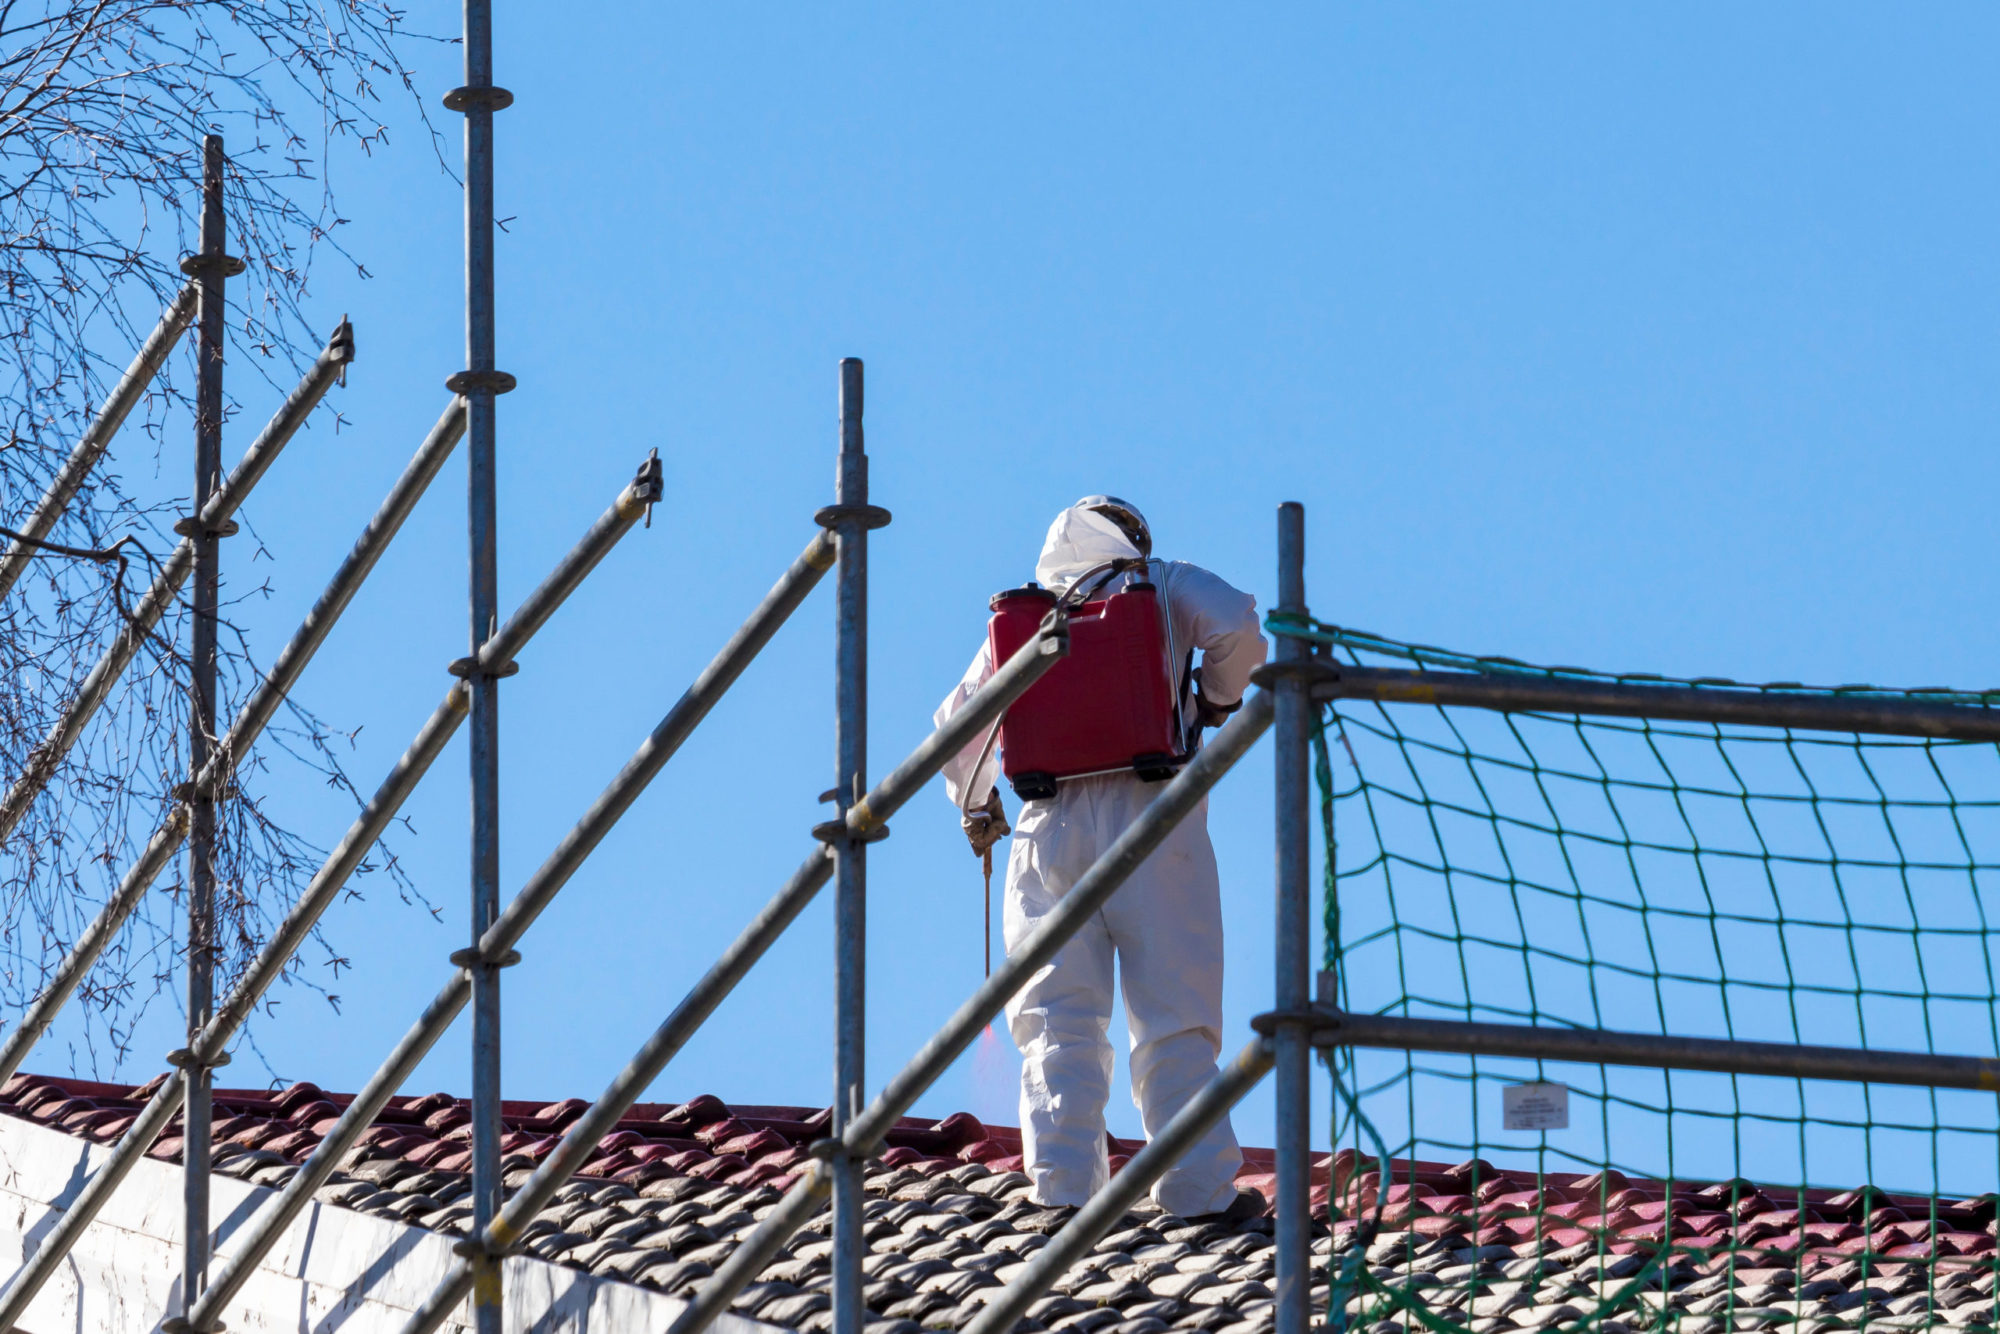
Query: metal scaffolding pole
column 1292, row 712
column 481, row 383
column 97, row 437
column 222, row 504
column 248, row 1248
column 1083, row 901
column 851, row 516
column 1096, row 1219
column 863, row 819
column 1739, row 706
column 1333, row 1027
column 210, row 268
column 263, row 972
column 257, row 711
column 208, row 1047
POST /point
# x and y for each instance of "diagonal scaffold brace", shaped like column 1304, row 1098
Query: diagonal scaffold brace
column 264, row 702
column 47, row 757
column 866, row 819
column 249, row 1247
column 1085, row 898
column 97, row 437
column 1095, row 1220
column 209, row 1049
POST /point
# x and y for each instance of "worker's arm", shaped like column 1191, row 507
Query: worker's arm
column 1221, row 621
column 958, row 775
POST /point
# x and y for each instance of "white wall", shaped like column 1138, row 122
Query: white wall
column 334, row 1269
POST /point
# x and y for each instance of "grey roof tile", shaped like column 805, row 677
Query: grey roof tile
column 1142, row 1325
column 554, row 1245
column 1229, row 1294
column 790, row 1312
column 919, row 1306
column 1047, row 1310
column 629, row 1263
column 591, row 1254
column 346, row 1193
column 1112, row 1292
column 957, row 1284
column 758, row 1294
column 675, row 1277
column 684, row 1183
column 912, row 1272
column 1182, row 1286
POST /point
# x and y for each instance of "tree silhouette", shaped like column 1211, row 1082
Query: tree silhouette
column 103, row 106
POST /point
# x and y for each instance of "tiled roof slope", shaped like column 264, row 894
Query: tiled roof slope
column 672, row 1191
column 678, row 1184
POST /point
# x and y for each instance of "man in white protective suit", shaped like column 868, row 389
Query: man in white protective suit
column 1163, row 926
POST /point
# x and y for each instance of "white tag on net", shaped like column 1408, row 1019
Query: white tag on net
column 1535, row 1106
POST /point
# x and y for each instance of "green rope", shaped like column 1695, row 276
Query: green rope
column 1669, row 877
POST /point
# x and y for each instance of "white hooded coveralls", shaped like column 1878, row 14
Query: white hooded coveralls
column 1164, row 925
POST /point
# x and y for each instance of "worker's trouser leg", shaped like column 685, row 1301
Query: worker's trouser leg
column 1165, row 925
column 1059, row 1021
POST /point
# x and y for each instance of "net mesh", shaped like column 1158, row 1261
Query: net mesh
column 1658, row 877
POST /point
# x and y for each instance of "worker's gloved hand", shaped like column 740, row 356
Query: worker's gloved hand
column 1207, row 714
column 986, row 825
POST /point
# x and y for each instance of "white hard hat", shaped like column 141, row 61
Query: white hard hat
column 1125, row 515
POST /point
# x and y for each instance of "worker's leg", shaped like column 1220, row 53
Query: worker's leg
column 1060, row 1019
column 1166, row 924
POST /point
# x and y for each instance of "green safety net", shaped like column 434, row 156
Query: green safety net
column 1658, row 877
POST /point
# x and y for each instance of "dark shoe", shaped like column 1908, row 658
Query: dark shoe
column 1248, row 1204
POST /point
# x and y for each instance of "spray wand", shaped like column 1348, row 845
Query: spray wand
column 986, row 857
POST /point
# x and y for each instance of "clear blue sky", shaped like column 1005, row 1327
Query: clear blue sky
column 1646, row 337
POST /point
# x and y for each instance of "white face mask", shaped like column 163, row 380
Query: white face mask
column 1080, row 540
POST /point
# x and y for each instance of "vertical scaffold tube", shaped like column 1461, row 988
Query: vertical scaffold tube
column 210, row 275
column 850, row 874
column 1292, row 1044
column 481, row 382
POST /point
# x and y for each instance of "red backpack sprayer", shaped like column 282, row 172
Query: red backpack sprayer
column 1111, row 706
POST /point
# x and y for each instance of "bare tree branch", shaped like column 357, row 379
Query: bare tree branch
column 103, row 104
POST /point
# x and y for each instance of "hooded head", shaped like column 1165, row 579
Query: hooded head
column 1087, row 535
column 1126, row 516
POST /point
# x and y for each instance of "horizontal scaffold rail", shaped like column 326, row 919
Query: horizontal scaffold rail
column 1334, row 1027
column 1741, row 706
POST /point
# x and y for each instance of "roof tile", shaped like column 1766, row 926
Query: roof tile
column 673, row 1189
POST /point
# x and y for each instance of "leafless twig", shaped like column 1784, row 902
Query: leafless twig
column 103, row 104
